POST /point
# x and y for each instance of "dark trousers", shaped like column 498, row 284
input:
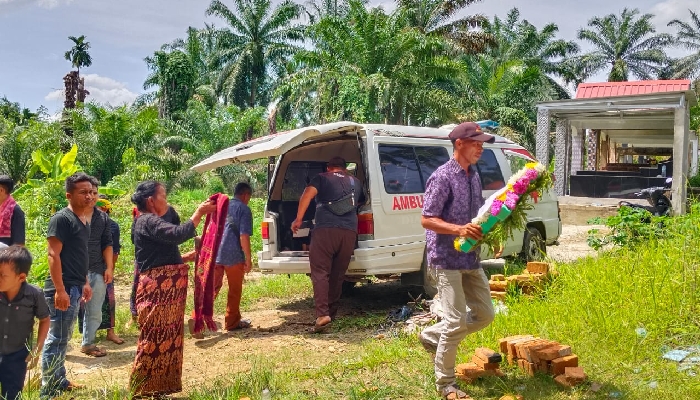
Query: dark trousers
column 13, row 368
column 329, row 256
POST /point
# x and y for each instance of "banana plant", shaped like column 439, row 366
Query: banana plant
column 55, row 168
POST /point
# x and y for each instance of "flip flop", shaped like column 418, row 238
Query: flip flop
column 452, row 392
column 93, row 351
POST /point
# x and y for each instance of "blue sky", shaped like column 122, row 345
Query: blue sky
column 34, row 37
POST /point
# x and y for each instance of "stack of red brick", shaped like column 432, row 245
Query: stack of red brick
column 530, row 281
column 485, row 362
column 533, row 354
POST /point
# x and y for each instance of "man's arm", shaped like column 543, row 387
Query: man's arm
column 108, row 256
column 245, row 245
column 309, row 193
column 439, row 226
column 61, row 299
column 18, row 227
column 43, row 331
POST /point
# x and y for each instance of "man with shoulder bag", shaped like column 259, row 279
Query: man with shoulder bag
column 338, row 195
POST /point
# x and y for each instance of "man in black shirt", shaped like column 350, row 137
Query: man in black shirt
column 12, row 228
column 68, row 236
column 338, row 195
column 100, row 273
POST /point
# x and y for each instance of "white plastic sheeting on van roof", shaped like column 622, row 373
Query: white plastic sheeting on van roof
column 271, row 145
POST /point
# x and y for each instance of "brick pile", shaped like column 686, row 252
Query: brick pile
column 532, row 354
column 530, row 281
column 485, row 362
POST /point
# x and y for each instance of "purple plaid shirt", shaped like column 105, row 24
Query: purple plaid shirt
column 454, row 197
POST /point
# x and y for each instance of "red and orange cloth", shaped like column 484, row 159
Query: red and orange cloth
column 203, row 313
column 7, row 208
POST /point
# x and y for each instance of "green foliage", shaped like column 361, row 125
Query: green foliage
column 694, row 181
column 627, row 44
column 256, row 43
column 175, row 76
column 46, row 184
column 78, row 55
column 371, row 68
column 688, row 37
column 629, row 228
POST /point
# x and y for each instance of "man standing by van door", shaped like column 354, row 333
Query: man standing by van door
column 338, row 195
column 452, row 198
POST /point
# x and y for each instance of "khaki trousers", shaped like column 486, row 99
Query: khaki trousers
column 465, row 298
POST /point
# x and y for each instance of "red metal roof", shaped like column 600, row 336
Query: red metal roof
column 614, row 89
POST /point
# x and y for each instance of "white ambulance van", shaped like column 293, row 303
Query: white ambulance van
column 393, row 162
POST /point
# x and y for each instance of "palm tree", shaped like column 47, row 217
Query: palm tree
column 626, row 44
column 369, row 68
column 520, row 40
column 258, row 42
column 174, row 76
column 507, row 92
column 318, row 9
column 688, row 36
column 78, row 55
column 439, row 17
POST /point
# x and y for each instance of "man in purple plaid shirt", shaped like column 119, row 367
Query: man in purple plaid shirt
column 452, row 198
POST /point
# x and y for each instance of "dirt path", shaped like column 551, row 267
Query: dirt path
column 573, row 243
column 276, row 327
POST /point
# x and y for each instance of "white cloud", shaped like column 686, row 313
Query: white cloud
column 102, row 90
column 41, row 3
column 668, row 10
column 52, row 3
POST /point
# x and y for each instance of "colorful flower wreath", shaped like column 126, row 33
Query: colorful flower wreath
column 506, row 210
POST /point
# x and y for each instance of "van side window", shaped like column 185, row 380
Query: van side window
column 429, row 159
column 298, row 176
column 490, row 171
column 405, row 169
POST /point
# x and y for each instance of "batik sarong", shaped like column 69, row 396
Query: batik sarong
column 7, row 208
column 203, row 313
column 160, row 304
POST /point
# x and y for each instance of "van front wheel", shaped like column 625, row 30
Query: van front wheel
column 534, row 247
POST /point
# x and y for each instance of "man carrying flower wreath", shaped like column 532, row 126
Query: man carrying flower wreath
column 452, row 199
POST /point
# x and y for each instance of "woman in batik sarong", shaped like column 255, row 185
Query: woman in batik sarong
column 161, row 292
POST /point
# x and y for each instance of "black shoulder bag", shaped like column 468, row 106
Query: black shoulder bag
column 344, row 204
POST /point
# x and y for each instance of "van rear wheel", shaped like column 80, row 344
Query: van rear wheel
column 534, row 247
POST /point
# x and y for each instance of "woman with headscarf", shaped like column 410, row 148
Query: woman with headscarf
column 161, row 292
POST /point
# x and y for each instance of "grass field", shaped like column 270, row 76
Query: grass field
column 595, row 305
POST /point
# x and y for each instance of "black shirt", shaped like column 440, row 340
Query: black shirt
column 116, row 240
column 74, row 235
column 332, row 186
column 100, row 239
column 17, row 318
column 17, row 228
column 156, row 241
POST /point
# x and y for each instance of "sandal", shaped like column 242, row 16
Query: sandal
column 93, row 351
column 452, row 392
